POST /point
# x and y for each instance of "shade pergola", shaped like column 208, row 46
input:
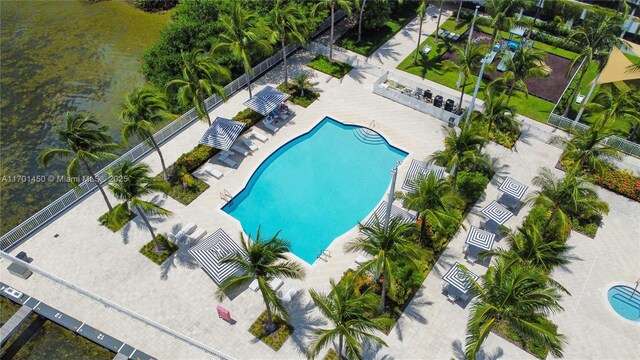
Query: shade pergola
column 212, row 250
column 513, row 188
column 497, row 213
column 381, row 212
column 418, row 168
column 458, row 279
column 481, row 239
column 266, row 100
column 222, row 133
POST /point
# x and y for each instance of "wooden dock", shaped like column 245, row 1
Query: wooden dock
column 12, row 324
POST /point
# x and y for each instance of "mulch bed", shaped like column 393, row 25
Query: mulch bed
column 548, row 88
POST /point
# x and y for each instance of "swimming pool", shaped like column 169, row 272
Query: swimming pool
column 317, row 186
column 625, row 301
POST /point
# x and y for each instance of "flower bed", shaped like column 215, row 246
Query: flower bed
column 621, row 182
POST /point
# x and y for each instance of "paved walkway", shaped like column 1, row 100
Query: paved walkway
column 180, row 296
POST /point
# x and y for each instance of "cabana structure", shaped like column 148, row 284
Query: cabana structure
column 457, row 284
column 266, row 100
column 512, row 193
column 222, row 133
column 380, row 214
column 420, row 168
column 496, row 214
column 212, row 250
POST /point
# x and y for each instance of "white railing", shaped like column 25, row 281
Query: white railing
column 110, row 304
column 58, row 206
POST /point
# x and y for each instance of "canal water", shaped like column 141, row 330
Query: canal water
column 57, row 56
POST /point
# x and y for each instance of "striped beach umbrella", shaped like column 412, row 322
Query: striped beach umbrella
column 497, row 213
column 212, row 250
column 457, row 278
column 481, row 239
column 379, row 213
column 266, row 100
column 420, row 168
column 513, row 188
column 222, row 133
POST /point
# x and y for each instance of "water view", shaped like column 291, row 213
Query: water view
column 58, row 56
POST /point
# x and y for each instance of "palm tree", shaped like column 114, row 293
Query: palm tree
column 596, row 37
column 422, row 13
column 496, row 110
column 468, row 61
column 288, row 25
column 302, row 83
column 588, row 149
column 623, row 105
column 460, row 148
column 360, row 5
column 344, row 5
column 130, row 183
column 527, row 246
column 86, row 142
column 242, row 32
column 517, row 297
column 141, row 111
column 502, row 12
column 565, row 197
column 441, row 3
column 200, row 79
column 348, row 314
column 264, row 260
column 525, row 64
column 386, row 244
column 433, row 198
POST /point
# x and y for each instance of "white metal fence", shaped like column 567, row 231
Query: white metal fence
column 57, row 207
column 110, row 304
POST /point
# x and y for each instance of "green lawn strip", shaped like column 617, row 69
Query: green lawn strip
column 331, row 355
column 335, row 68
column 113, row 223
column 304, row 101
column 274, row 339
column 374, row 38
column 538, row 44
column 159, row 258
column 181, row 194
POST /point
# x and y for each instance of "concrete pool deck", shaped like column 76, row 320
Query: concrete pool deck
column 181, row 296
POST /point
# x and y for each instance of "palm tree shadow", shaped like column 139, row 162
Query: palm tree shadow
column 356, row 74
column 181, row 257
column 412, row 313
column 371, row 349
column 300, row 309
column 385, row 52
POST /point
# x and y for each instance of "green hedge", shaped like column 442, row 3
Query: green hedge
column 335, row 68
column 471, row 185
column 248, row 117
column 191, row 160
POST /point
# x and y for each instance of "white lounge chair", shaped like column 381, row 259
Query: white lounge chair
column 289, row 295
column 361, row 259
column 186, row 230
column 270, row 127
column 250, row 144
column 276, row 284
column 452, row 298
column 259, row 136
column 208, row 167
column 254, row 285
column 224, row 157
column 197, row 235
column 240, row 150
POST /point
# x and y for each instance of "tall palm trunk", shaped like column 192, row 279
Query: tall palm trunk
column 156, row 245
column 384, row 292
column 464, row 80
column 423, row 228
column 415, row 57
column 284, row 61
column 513, row 84
column 155, row 146
column 96, row 180
column 459, row 9
column 438, row 25
column 455, row 176
column 248, row 83
column 633, row 133
column 270, row 324
column 585, row 65
column 204, row 108
column 340, row 345
column 364, row 2
column 331, row 40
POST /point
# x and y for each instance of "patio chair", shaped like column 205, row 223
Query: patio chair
column 426, row 49
column 197, row 235
column 276, row 284
column 259, row 136
column 184, row 231
column 289, row 295
column 248, row 143
column 209, row 169
column 254, row 285
column 472, row 258
column 452, row 298
column 240, row 150
column 224, row 157
column 417, row 93
column 579, row 99
column 267, row 124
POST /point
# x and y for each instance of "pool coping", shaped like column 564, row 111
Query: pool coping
column 349, row 232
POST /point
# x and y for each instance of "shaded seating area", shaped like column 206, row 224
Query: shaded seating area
column 512, row 193
column 477, row 241
column 420, row 168
column 221, row 135
column 210, row 252
column 270, row 102
column 456, row 283
column 380, row 214
column 497, row 214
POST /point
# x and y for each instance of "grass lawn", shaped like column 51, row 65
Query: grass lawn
column 179, row 193
column 304, row 101
column 159, row 258
column 335, row 68
column 112, row 223
column 373, row 39
column 277, row 337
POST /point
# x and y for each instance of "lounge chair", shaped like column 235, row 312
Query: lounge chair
column 240, row 150
column 254, row 285
column 270, row 127
column 276, row 284
column 197, row 235
column 426, row 49
column 224, row 157
column 452, row 298
column 248, row 143
column 259, row 136
column 361, row 259
column 579, row 99
column 208, row 167
column 184, row 231
column 289, row 295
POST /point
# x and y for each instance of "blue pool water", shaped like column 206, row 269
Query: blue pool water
column 317, row 186
column 621, row 300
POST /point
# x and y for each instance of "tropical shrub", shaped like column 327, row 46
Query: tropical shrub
column 191, row 160
column 248, row 116
column 538, row 216
column 335, row 68
column 156, row 5
column 159, row 257
column 471, row 185
column 621, row 182
column 274, row 339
